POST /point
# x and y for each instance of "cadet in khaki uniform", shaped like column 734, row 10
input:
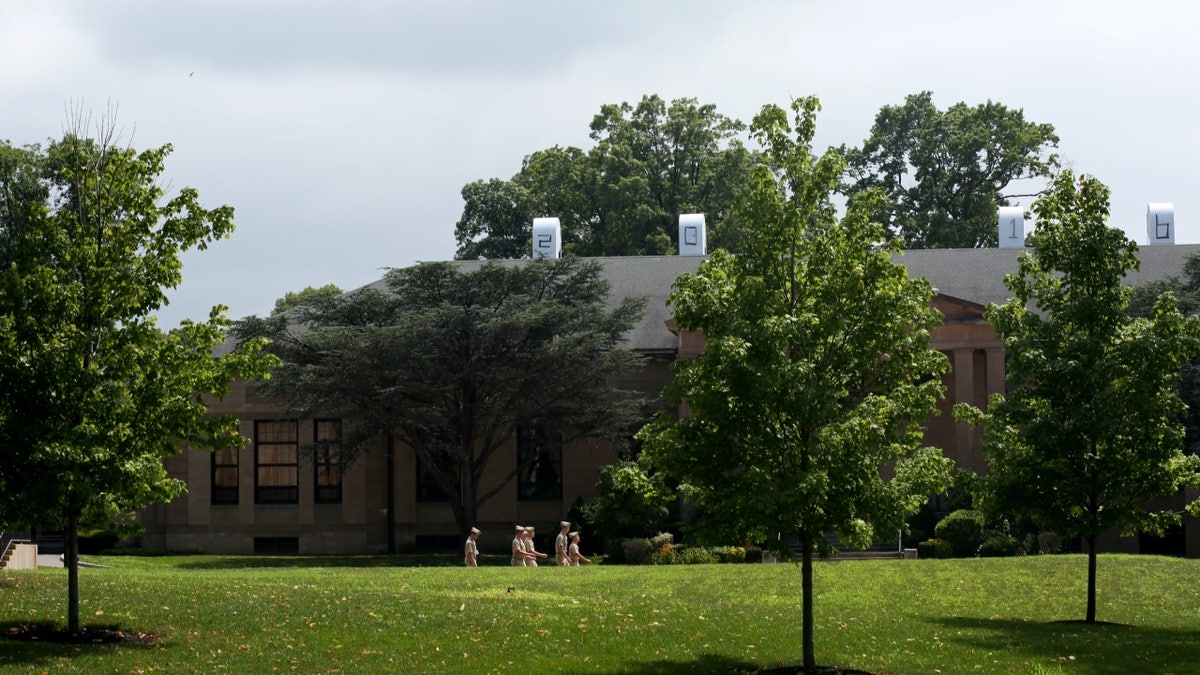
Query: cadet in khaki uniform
column 561, row 544
column 470, row 550
column 519, row 555
column 573, row 551
column 533, row 553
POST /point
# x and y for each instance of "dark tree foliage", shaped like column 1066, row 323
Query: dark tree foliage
column 452, row 359
column 945, row 173
column 651, row 162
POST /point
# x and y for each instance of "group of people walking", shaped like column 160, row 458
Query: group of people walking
column 566, row 548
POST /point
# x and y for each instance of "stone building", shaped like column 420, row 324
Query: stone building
column 269, row 498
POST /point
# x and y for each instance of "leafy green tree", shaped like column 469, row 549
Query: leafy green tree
column 309, row 295
column 452, row 360
column 945, row 172
column 816, row 370
column 93, row 396
column 1087, row 432
column 630, row 502
column 1186, row 289
column 650, row 163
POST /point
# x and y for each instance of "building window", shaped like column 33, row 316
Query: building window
column 328, row 468
column 276, row 462
column 276, row 545
column 428, row 489
column 539, row 464
column 225, row 476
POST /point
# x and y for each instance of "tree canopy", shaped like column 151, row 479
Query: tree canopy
column 945, row 173
column 1087, row 432
column 651, row 162
column 816, row 371
column 93, row 396
column 459, row 360
column 308, row 295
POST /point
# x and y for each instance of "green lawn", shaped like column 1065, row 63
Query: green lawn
column 370, row 614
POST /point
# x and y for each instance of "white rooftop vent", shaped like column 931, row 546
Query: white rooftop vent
column 693, row 239
column 547, row 238
column 1160, row 222
column 1012, row 227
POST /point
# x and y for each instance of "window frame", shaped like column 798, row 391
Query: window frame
column 326, row 464
column 220, row 494
column 533, row 438
column 282, row 493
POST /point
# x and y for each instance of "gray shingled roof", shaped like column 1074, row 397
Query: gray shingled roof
column 974, row 274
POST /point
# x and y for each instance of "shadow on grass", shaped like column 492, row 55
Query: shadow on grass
column 716, row 663
column 706, row 663
column 1102, row 648
column 303, row 561
column 43, row 642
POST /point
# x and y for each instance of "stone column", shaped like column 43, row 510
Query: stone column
column 964, row 392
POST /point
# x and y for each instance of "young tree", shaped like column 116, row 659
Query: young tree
column 453, row 362
column 816, row 370
column 93, row 395
column 650, row 163
column 945, row 172
column 1088, row 430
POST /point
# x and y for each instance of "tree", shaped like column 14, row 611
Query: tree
column 630, row 502
column 945, row 173
column 623, row 197
column 1087, row 432
column 456, row 362
column 1186, row 290
column 309, row 295
column 816, row 370
column 93, row 395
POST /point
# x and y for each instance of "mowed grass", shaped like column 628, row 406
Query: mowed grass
column 370, row 614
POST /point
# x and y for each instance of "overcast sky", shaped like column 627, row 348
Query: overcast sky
column 343, row 132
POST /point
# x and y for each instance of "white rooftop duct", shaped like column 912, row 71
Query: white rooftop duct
column 1160, row 223
column 1012, row 227
column 547, row 238
column 693, row 240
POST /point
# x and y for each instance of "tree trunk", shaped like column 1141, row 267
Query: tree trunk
column 1091, row 590
column 71, row 559
column 806, row 583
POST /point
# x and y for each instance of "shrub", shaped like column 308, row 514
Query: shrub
column 669, row 554
column 998, row 546
column 754, row 554
column 661, row 539
column 696, row 555
column 629, row 502
column 663, row 555
column 962, row 529
column 730, row 554
column 1049, row 542
column 934, row 548
column 635, row 551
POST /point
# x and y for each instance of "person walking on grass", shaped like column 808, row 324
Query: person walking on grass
column 520, row 557
column 471, row 550
column 561, row 545
column 573, row 551
column 533, row 553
